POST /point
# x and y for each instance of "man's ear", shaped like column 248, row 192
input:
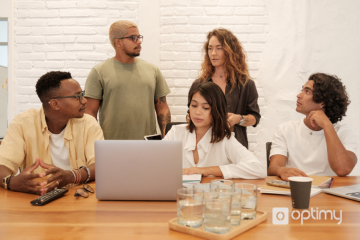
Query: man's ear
column 118, row 43
column 54, row 104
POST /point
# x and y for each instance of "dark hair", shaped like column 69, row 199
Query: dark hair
column 48, row 83
column 235, row 58
column 329, row 90
column 215, row 97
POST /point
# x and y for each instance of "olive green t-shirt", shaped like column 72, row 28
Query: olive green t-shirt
column 126, row 92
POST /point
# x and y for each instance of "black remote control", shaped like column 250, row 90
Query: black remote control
column 50, row 196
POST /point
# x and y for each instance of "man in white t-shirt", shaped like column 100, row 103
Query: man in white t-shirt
column 318, row 144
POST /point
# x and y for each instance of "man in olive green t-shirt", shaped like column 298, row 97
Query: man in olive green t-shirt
column 127, row 90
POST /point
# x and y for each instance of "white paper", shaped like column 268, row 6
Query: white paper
column 192, row 178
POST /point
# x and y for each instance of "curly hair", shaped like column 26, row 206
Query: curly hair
column 118, row 30
column 328, row 89
column 48, row 83
column 215, row 97
column 235, row 58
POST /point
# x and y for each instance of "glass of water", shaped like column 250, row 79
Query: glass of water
column 217, row 212
column 235, row 204
column 248, row 200
column 222, row 184
column 190, row 207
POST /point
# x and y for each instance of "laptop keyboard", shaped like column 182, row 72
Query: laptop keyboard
column 354, row 194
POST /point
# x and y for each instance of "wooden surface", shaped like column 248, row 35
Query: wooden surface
column 234, row 230
column 88, row 218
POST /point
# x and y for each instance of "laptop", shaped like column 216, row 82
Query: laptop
column 351, row 192
column 138, row 169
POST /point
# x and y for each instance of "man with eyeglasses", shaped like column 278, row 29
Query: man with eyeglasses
column 57, row 139
column 126, row 89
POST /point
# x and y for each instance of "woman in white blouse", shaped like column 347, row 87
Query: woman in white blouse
column 209, row 146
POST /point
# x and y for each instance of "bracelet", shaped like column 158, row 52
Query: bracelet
column 79, row 175
column 74, row 176
column 8, row 183
column 88, row 172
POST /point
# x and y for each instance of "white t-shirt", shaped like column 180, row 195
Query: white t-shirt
column 234, row 160
column 306, row 149
column 59, row 151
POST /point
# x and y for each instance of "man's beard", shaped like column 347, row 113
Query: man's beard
column 132, row 54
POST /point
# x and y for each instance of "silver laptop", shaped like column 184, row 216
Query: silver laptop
column 138, row 169
column 351, row 192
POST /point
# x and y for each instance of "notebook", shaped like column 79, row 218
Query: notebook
column 192, row 179
column 351, row 192
column 138, row 169
column 318, row 183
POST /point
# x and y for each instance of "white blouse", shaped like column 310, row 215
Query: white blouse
column 234, row 160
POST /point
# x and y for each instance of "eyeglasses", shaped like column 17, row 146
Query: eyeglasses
column 83, row 192
column 80, row 96
column 134, row 38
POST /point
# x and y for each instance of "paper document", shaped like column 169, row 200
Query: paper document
column 286, row 191
column 318, row 183
column 192, row 179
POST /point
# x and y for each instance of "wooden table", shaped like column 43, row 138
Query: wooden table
column 81, row 218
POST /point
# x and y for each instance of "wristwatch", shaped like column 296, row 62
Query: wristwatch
column 242, row 120
column 6, row 181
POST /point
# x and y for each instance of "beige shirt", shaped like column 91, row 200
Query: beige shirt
column 27, row 138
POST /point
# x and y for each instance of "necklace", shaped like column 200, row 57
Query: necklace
column 311, row 130
column 219, row 75
column 308, row 127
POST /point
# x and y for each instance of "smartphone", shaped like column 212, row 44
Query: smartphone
column 153, row 137
column 278, row 183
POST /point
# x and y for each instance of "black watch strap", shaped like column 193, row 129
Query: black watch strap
column 8, row 182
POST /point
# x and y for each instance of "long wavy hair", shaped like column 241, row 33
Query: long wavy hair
column 215, row 97
column 235, row 58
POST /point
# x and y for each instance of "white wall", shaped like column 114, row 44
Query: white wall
column 307, row 37
column 285, row 42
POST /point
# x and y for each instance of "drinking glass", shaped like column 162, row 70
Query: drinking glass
column 248, row 200
column 190, row 207
column 217, row 212
column 222, row 184
column 235, row 204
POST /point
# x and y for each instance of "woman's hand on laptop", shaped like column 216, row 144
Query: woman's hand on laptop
column 205, row 171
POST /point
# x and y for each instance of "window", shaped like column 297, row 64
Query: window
column 3, row 75
column 3, row 42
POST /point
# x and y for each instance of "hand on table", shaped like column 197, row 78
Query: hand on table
column 24, row 182
column 192, row 170
column 59, row 178
column 286, row 172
